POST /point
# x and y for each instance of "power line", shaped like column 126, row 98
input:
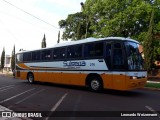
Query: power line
column 29, row 14
column 23, row 20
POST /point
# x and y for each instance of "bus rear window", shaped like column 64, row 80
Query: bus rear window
column 19, row 57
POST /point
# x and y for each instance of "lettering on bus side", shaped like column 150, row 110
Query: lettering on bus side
column 74, row 63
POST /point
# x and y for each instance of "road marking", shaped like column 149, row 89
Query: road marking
column 16, row 95
column 6, row 87
column 59, row 102
column 152, row 110
column 4, row 109
column 29, row 96
column 56, row 105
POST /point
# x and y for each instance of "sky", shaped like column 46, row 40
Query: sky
column 26, row 32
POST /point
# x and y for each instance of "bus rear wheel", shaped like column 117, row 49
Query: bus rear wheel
column 95, row 84
column 30, row 78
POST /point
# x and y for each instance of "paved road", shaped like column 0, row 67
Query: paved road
column 67, row 102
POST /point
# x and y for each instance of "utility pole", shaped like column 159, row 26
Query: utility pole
column 58, row 37
column 87, row 22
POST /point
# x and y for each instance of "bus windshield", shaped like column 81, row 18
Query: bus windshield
column 134, row 57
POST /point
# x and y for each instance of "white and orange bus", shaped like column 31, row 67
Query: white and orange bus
column 109, row 63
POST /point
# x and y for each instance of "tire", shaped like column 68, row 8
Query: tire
column 30, row 78
column 95, row 84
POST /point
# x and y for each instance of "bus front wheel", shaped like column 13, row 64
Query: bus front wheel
column 30, row 78
column 95, row 84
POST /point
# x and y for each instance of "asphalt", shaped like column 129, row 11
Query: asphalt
column 4, row 110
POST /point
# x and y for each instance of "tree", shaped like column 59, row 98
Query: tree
column 111, row 18
column 125, row 18
column 151, row 38
column 120, row 17
column 43, row 44
column 13, row 59
column 74, row 26
column 2, row 59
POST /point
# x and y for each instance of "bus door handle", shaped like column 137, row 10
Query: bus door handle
column 100, row 60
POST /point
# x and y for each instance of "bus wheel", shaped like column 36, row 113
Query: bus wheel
column 95, row 84
column 30, row 78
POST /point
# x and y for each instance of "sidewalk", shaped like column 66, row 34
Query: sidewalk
column 5, row 72
column 154, row 78
column 9, row 74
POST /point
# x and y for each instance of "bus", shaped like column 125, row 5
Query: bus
column 98, row 63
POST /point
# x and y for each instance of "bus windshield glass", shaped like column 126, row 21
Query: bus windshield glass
column 134, row 57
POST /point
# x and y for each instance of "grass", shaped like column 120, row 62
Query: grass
column 153, row 85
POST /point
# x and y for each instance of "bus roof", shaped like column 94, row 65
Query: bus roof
column 87, row 40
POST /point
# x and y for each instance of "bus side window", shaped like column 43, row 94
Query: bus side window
column 46, row 54
column 56, row 53
column 70, row 52
column 108, row 55
column 78, row 51
column 36, row 55
column 89, row 50
column 99, row 49
column 118, row 57
column 62, row 53
column 94, row 49
column 27, row 56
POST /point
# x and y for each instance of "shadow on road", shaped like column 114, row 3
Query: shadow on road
column 131, row 93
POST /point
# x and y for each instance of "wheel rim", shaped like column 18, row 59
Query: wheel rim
column 95, row 84
column 30, row 79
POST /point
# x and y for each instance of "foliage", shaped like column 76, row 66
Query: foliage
column 13, row 59
column 43, row 44
column 120, row 17
column 74, row 26
column 2, row 58
column 125, row 18
column 148, row 43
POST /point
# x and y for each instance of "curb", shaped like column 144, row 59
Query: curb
column 149, row 88
column 153, row 82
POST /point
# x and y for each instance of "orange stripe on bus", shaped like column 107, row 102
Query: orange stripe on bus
column 22, row 65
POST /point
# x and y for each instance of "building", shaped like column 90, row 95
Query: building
column 7, row 63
